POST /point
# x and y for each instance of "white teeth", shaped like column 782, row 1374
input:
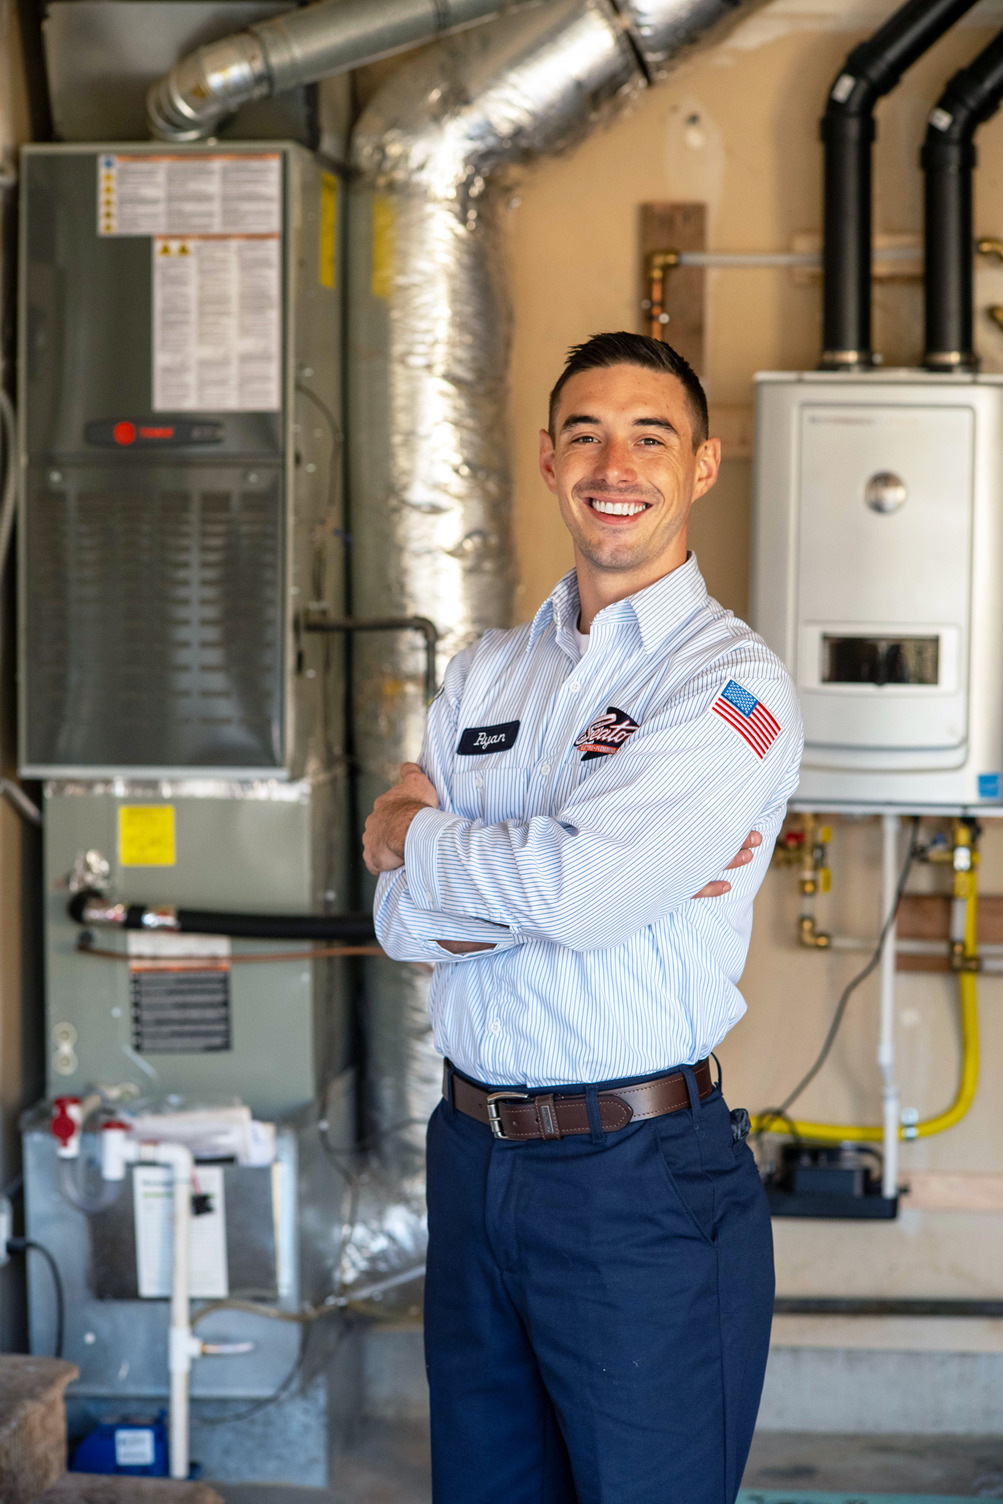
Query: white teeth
column 618, row 508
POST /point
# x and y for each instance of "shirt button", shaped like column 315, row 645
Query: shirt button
column 428, row 896
column 496, row 1027
column 478, row 781
column 573, row 685
column 545, row 768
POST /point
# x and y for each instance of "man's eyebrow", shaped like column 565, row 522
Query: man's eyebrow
column 655, row 423
column 576, row 419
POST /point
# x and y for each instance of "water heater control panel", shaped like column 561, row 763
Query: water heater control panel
column 877, row 568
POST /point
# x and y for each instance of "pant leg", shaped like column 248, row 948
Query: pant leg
column 645, row 1277
column 494, row 1430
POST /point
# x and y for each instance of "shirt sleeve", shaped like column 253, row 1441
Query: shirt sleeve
column 638, row 837
column 405, row 930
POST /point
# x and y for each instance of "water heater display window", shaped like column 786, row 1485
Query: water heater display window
column 880, row 660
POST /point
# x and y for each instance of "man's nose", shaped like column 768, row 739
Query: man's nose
column 616, row 463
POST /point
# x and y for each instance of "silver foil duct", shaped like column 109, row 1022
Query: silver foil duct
column 429, row 477
column 297, row 48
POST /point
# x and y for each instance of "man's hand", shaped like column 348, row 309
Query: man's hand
column 715, row 890
column 387, row 826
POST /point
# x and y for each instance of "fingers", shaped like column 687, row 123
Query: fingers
column 749, row 847
column 714, row 890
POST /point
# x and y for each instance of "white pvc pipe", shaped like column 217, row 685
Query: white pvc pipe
column 886, row 1038
column 181, row 1343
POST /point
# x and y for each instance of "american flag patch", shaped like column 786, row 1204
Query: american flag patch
column 749, row 717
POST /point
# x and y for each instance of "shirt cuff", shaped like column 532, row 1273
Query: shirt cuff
column 421, row 844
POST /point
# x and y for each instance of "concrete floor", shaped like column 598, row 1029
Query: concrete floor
column 388, row 1464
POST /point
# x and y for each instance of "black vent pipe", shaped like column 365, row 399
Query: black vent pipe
column 870, row 71
column 948, row 158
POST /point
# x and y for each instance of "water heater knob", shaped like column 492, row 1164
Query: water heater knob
column 885, row 492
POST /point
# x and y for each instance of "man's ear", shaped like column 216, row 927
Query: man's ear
column 707, row 467
column 547, row 469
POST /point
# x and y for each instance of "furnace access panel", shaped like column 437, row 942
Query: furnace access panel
column 877, row 568
column 180, row 411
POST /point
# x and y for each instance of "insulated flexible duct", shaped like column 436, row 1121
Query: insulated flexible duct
column 870, row 71
column 948, row 158
column 429, row 479
column 298, row 48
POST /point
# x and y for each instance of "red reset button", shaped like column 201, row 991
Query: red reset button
column 124, row 433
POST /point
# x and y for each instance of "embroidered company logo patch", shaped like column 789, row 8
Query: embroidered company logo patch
column 477, row 740
column 606, row 734
column 748, row 716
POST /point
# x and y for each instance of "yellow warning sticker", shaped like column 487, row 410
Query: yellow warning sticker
column 146, row 835
column 328, row 228
column 384, row 247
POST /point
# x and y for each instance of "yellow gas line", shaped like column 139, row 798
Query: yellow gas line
column 965, row 889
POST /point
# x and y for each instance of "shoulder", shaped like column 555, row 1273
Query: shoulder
column 489, row 653
column 725, row 648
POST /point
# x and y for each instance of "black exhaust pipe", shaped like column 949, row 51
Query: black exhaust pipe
column 870, row 71
column 948, row 159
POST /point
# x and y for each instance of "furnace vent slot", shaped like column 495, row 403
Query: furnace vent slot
column 180, row 1012
column 154, row 621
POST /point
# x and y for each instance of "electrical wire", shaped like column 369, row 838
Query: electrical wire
column 782, row 1112
column 270, row 1399
column 23, row 1245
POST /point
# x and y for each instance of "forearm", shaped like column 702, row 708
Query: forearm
column 409, row 933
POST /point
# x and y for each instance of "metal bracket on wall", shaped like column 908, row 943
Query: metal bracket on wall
column 672, row 295
column 422, row 624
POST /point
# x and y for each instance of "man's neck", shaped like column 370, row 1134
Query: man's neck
column 598, row 588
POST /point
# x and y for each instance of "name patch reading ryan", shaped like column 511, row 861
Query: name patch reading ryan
column 477, row 740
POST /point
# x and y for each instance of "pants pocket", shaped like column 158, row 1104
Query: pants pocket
column 691, row 1186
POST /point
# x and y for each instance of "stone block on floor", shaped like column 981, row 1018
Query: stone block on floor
column 32, row 1425
column 87, row 1488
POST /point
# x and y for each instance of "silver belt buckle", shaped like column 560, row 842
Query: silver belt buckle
column 494, row 1117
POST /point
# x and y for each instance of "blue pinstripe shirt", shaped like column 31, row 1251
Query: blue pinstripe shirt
column 583, row 800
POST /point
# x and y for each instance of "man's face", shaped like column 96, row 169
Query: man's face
column 624, row 471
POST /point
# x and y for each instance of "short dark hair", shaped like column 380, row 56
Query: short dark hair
column 624, row 349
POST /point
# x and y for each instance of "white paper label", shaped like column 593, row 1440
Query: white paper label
column 217, row 324
column 134, row 1448
column 154, row 194
column 153, row 1208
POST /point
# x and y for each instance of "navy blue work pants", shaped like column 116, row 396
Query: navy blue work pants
column 597, row 1311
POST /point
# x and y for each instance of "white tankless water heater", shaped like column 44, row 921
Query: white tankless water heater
column 878, row 578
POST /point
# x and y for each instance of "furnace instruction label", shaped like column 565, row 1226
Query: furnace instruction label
column 146, row 836
column 153, row 1210
column 159, row 194
column 217, row 326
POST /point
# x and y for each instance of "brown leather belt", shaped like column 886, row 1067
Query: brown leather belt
column 523, row 1115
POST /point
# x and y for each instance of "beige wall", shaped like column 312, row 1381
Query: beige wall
column 738, row 128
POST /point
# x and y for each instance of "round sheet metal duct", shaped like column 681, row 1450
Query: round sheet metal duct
column 298, row 48
column 427, row 383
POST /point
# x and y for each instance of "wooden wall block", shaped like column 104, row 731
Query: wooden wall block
column 677, row 227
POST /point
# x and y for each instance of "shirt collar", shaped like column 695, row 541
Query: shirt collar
column 659, row 610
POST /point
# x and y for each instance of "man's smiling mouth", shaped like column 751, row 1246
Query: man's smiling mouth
column 616, row 508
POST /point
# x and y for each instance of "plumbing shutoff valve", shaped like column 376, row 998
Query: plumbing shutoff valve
column 67, row 1119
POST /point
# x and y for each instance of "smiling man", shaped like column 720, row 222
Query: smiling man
column 600, row 1271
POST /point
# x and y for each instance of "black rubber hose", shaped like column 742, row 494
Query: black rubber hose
column 351, row 929
column 871, row 70
column 948, row 159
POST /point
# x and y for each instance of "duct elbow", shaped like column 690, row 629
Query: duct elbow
column 189, row 102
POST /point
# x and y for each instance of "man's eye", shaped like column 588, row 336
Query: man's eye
column 584, row 438
column 650, row 439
